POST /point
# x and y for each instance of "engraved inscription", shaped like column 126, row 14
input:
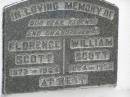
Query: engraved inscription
column 75, row 5
column 73, row 31
column 62, row 22
column 90, row 8
column 91, row 55
column 91, row 67
column 91, row 42
column 54, row 44
column 67, row 80
column 31, row 71
column 36, row 58
column 34, row 45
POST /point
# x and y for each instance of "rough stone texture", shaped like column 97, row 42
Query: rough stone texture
column 54, row 44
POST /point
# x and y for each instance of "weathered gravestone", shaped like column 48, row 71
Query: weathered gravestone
column 54, row 44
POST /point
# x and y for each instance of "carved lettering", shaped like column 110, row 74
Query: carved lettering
column 75, row 5
column 76, row 79
column 35, row 58
column 91, row 55
column 92, row 42
column 62, row 22
column 92, row 67
column 63, row 31
column 32, row 71
column 34, row 45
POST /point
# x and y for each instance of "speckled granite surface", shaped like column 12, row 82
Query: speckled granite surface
column 57, row 44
